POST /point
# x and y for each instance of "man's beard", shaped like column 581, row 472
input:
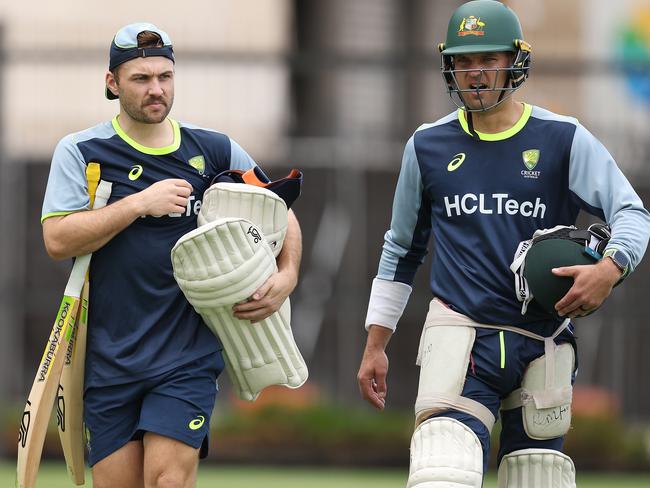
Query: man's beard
column 139, row 113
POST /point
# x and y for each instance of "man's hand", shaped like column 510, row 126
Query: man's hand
column 268, row 298
column 79, row 233
column 164, row 197
column 374, row 367
column 592, row 284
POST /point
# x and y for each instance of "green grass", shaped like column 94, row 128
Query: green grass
column 53, row 475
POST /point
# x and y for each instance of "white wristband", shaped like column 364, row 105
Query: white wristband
column 387, row 302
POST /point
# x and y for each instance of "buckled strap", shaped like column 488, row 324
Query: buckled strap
column 427, row 406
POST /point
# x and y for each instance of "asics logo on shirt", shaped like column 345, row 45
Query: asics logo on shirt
column 136, row 171
column 497, row 203
column 455, row 163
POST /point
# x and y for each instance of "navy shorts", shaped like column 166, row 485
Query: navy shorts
column 176, row 404
column 493, row 373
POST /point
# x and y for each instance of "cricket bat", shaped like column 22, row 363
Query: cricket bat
column 69, row 398
column 38, row 409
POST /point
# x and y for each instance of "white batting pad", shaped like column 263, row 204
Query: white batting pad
column 259, row 205
column 260, row 354
column 532, row 468
column 445, row 454
column 220, row 264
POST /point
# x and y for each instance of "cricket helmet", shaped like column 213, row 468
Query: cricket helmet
column 483, row 26
column 566, row 247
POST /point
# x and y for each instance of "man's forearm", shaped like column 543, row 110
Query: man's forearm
column 83, row 232
column 289, row 258
column 378, row 337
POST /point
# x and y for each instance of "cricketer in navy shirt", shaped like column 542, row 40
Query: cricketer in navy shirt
column 480, row 181
column 141, row 323
column 151, row 363
column 480, row 199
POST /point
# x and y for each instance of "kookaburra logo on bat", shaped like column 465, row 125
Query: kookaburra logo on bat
column 60, row 409
column 24, row 426
column 255, row 233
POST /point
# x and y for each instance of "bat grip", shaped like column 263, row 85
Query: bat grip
column 77, row 276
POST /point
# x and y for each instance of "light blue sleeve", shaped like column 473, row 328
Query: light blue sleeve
column 239, row 159
column 405, row 243
column 595, row 178
column 66, row 190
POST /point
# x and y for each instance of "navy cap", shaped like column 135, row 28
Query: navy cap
column 125, row 47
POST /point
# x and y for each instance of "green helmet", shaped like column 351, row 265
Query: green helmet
column 485, row 26
column 565, row 247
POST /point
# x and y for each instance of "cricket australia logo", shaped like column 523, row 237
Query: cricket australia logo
column 471, row 26
column 531, row 158
column 198, row 163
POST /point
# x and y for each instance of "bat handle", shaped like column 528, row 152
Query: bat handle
column 77, row 276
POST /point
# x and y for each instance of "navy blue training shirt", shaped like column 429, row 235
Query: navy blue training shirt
column 481, row 194
column 140, row 323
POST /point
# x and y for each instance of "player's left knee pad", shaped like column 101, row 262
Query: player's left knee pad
column 223, row 263
column 536, row 468
column 445, row 454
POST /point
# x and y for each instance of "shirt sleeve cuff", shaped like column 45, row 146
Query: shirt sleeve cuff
column 387, row 302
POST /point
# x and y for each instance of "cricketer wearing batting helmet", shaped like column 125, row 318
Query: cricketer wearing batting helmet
column 152, row 363
column 482, row 180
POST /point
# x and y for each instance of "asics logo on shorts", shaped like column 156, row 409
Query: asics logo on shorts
column 197, row 423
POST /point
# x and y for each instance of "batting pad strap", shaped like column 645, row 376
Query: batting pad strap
column 387, row 302
column 260, row 206
column 427, row 406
